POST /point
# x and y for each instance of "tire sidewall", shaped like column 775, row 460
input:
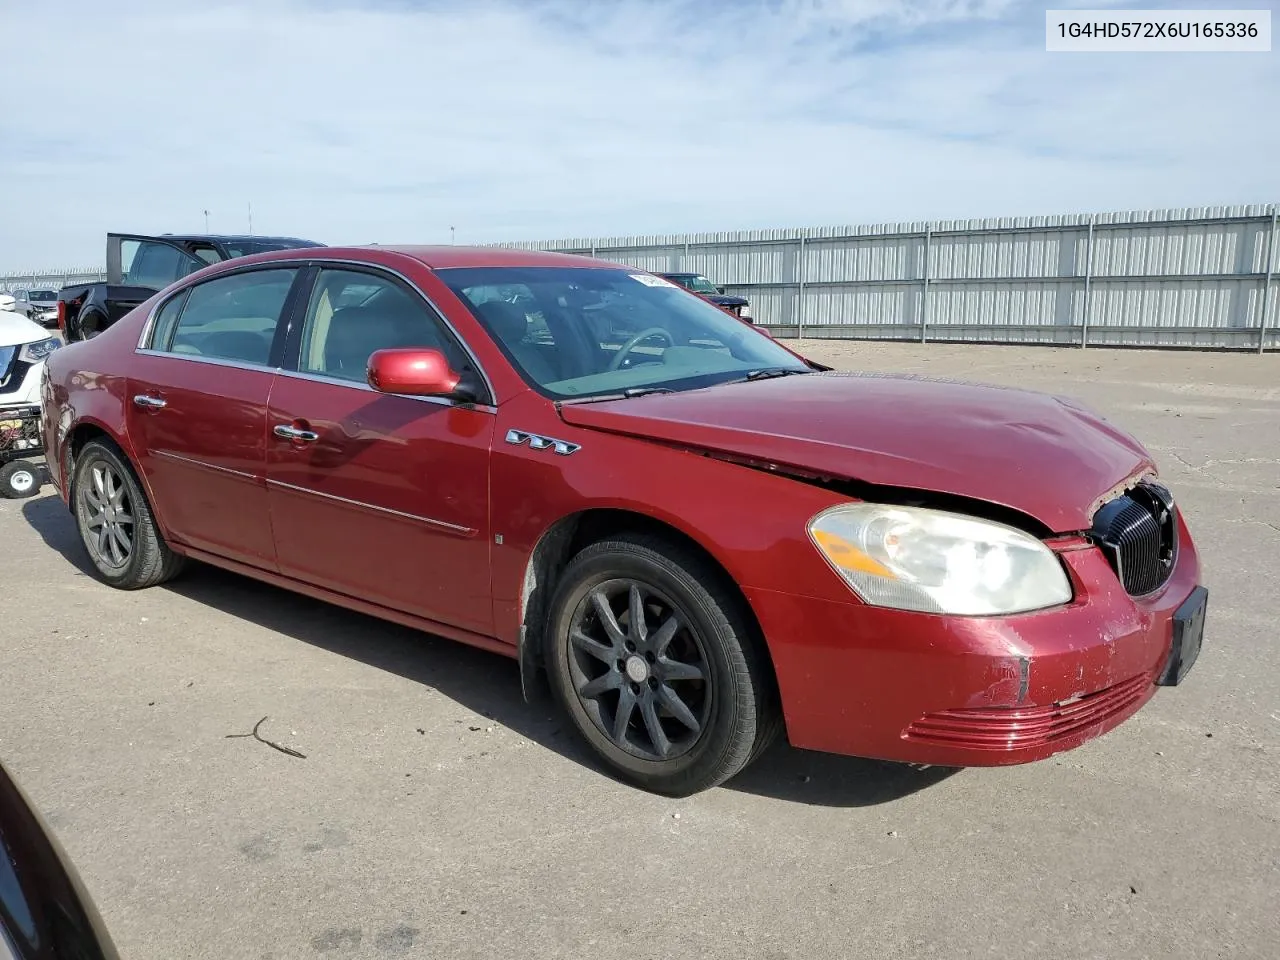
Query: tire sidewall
column 720, row 648
column 95, row 452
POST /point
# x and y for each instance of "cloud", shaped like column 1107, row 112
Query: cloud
column 537, row 119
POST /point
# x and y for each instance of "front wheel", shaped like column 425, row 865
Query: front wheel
column 658, row 665
column 115, row 521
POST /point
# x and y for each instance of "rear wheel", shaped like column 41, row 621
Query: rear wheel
column 91, row 324
column 658, row 666
column 115, row 521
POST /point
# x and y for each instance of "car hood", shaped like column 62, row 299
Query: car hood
column 726, row 299
column 15, row 330
column 1045, row 456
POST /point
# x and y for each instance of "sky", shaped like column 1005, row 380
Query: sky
column 390, row 121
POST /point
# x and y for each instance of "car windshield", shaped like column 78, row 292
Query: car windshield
column 586, row 331
column 701, row 284
column 42, row 296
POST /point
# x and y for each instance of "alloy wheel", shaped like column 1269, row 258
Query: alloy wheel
column 640, row 669
column 109, row 523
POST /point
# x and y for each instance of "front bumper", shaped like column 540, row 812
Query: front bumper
column 970, row 691
column 22, row 386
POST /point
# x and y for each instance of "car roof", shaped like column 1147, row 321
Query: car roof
column 238, row 238
column 444, row 257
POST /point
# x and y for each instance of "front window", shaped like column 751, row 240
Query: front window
column 584, row 331
column 352, row 314
column 42, row 296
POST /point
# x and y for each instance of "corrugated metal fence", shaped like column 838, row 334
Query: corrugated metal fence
column 1204, row 277
column 1201, row 277
column 48, row 279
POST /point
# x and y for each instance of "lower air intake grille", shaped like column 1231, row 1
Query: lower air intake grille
column 1014, row 728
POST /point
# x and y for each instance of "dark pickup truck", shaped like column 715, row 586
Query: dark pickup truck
column 138, row 267
column 700, row 285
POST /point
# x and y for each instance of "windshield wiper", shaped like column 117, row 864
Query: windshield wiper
column 622, row 395
column 768, row 373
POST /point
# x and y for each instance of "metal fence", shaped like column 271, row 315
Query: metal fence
column 49, row 279
column 1204, row 277
column 1201, row 277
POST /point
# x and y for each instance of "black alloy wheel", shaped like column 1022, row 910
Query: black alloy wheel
column 655, row 657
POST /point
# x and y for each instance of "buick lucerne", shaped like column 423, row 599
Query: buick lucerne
column 699, row 537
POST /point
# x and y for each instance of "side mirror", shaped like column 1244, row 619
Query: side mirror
column 720, row 290
column 417, row 372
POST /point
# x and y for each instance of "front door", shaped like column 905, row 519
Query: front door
column 383, row 498
column 198, row 410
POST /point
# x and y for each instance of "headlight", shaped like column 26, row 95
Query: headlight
column 911, row 558
column 745, row 312
column 35, row 352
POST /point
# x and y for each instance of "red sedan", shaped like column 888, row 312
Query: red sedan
column 701, row 537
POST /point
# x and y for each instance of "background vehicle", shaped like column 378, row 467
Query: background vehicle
column 38, row 305
column 699, row 284
column 24, row 347
column 45, row 911
column 139, row 266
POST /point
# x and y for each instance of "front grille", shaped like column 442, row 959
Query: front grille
column 1138, row 533
column 1016, row 728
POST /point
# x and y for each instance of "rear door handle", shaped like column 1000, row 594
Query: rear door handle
column 148, row 402
column 286, row 431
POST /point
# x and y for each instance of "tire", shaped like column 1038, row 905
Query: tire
column 712, row 663
column 139, row 557
column 91, row 324
column 19, row 479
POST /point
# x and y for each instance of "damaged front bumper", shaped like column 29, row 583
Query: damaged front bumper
column 975, row 691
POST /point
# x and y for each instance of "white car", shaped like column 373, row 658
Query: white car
column 24, row 345
column 38, row 305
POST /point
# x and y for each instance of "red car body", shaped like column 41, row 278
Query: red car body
column 440, row 517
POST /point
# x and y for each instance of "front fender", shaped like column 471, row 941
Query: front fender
column 751, row 522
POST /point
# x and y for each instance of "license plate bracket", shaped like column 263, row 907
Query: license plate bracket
column 1188, row 638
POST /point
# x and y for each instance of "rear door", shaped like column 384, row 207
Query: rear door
column 380, row 497
column 198, row 408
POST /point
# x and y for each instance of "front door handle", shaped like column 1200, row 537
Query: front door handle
column 287, row 431
column 148, row 402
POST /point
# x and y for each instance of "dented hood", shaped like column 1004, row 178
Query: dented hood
column 1042, row 455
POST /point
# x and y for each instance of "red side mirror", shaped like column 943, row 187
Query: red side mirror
column 414, row 371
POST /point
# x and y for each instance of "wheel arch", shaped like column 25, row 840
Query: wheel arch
column 564, row 539
column 74, row 441
column 82, row 433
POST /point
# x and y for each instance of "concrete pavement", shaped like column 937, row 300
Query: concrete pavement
column 435, row 814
